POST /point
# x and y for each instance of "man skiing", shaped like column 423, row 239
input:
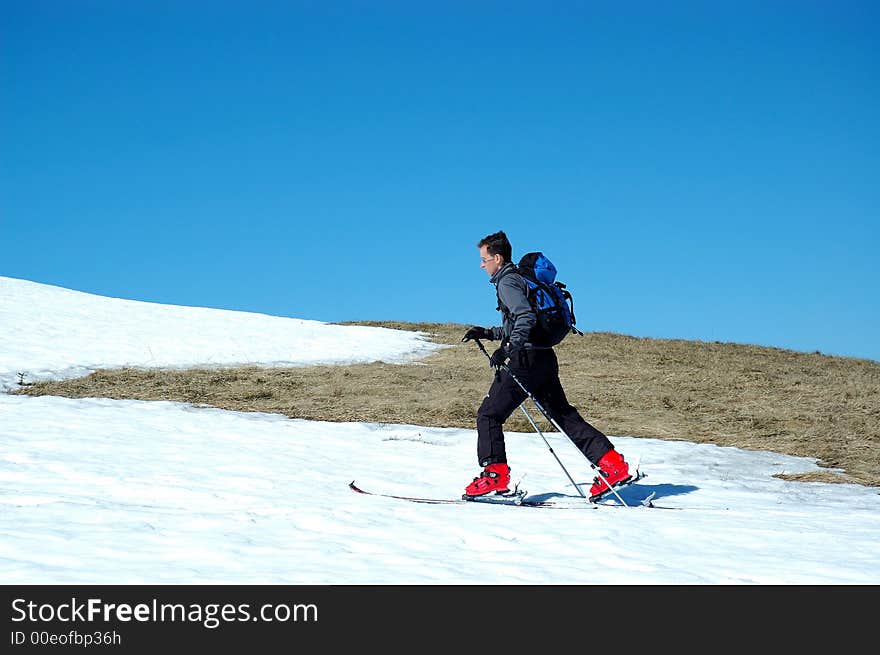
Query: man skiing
column 537, row 369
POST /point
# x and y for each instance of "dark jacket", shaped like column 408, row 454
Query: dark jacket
column 518, row 317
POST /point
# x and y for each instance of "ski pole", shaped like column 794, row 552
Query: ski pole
column 557, row 426
column 552, row 452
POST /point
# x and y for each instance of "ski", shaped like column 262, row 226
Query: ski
column 515, row 499
column 617, row 487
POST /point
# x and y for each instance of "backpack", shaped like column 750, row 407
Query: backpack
column 551, row 301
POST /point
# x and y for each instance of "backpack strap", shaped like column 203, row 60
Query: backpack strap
column 567, row 295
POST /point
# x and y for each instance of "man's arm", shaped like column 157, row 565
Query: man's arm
column 512, row 292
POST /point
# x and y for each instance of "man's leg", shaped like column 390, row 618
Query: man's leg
column 502, row 400
column 591, row 442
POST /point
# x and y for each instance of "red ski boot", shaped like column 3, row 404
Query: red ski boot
column 495, row 477
column 616, row 472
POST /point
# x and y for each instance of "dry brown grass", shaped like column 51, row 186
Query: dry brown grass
column 751, row 397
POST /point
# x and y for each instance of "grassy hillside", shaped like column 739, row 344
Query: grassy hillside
column 727, row 394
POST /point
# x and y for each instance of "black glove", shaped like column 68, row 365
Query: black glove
column 498, row 358
column 477, row 333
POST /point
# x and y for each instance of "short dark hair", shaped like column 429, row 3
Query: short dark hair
column 497, row 244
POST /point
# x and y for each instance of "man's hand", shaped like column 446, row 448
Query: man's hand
column 498, row 358
column 477, row 333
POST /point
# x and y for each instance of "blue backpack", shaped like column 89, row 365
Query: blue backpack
column 550, row 299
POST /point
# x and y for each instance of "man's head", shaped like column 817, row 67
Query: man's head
column 495, row 251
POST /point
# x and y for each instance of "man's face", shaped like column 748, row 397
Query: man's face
column 489, row 263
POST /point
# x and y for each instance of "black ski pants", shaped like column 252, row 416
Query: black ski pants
column 538, row 371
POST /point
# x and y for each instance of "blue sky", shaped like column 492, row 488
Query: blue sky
column 696, row 170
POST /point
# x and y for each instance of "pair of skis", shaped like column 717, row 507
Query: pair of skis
column 515, row 498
